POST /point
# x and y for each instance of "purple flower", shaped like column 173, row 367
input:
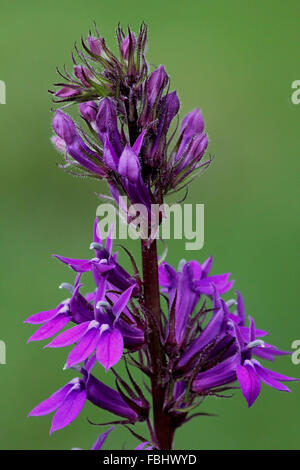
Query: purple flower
column 128, row 45
column 67, row 402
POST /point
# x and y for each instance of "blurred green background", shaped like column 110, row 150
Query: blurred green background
column 236, row 61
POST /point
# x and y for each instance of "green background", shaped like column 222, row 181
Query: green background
column 235, row 60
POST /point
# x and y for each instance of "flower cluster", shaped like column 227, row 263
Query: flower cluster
column 207, row 347
column 173, row 326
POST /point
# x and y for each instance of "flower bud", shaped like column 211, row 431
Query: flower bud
column 64, row 127
column 130, row 40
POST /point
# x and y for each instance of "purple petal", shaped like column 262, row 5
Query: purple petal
column 84, row 348
column 51, row 328
column 241, row 308
column 109, row 239
column 69, row 409
column 267, row 378
column 67, row 92
column 206, row 266
column 211, row 331
column 101, row 439
column 249, row 382
column 69, row 337
column 110, row 348
column 129, row 165
column 167, row 276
